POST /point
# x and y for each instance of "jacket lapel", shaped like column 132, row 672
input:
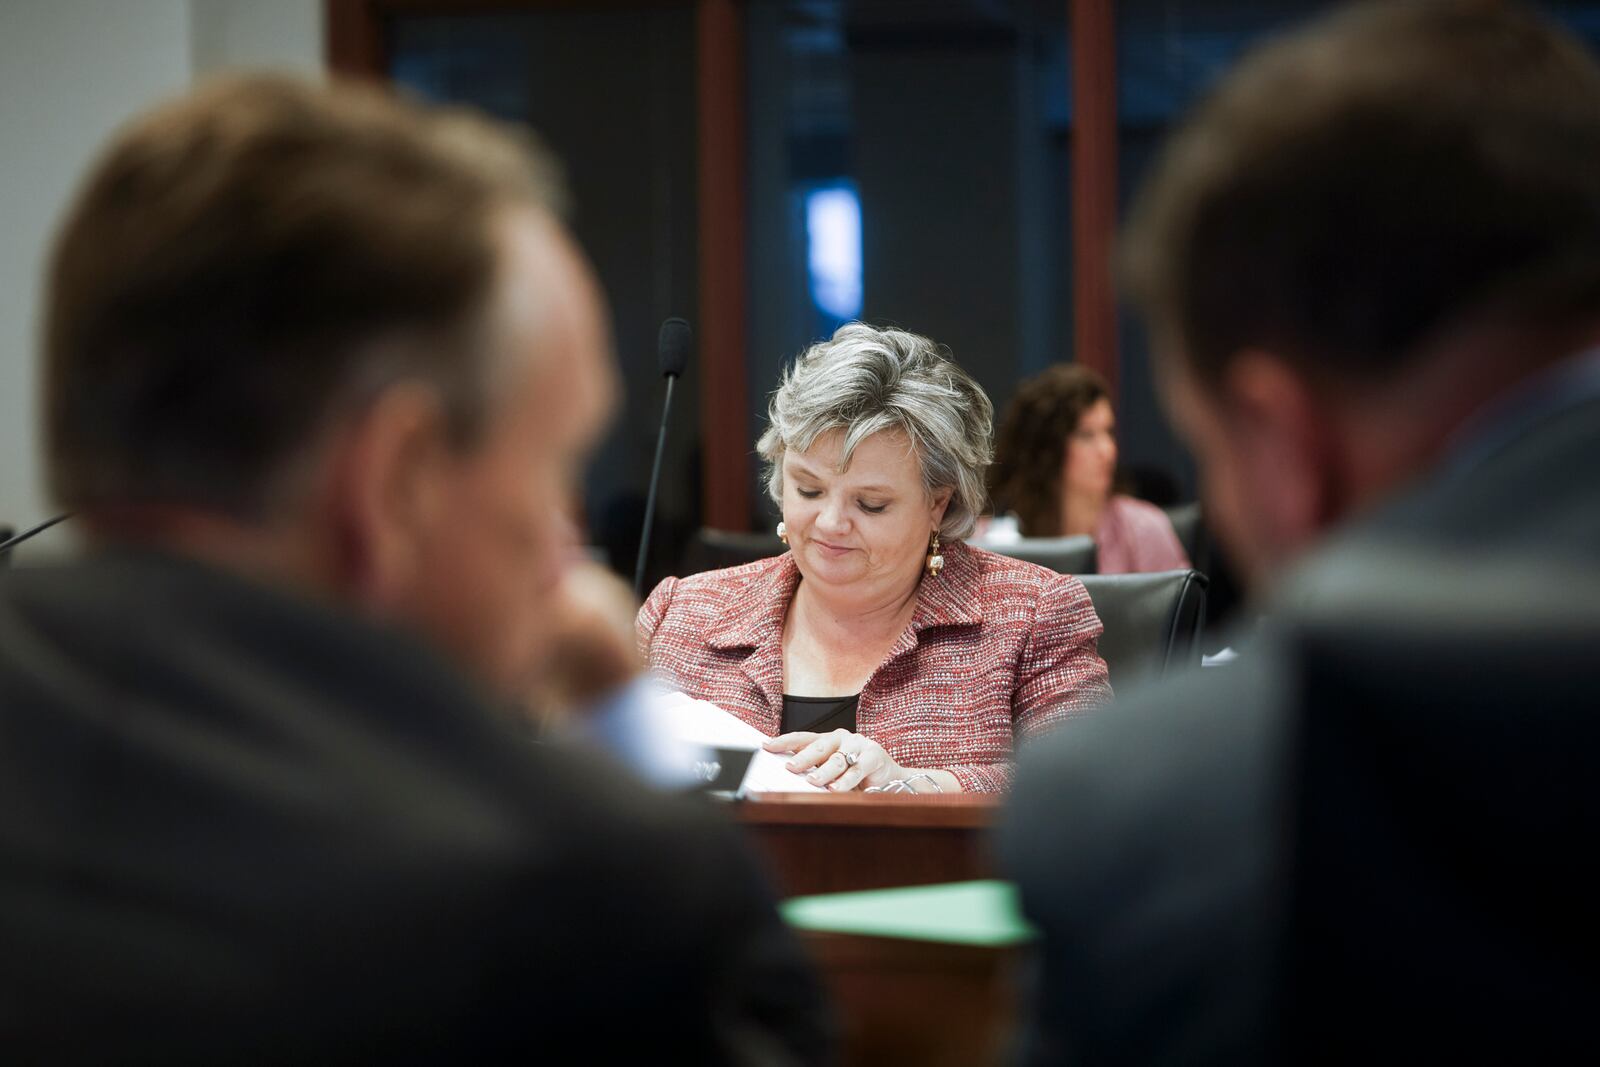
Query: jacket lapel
column 755, row 625
column 949, row 598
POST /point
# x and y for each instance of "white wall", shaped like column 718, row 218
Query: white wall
column 70, row 72
column 284, row 34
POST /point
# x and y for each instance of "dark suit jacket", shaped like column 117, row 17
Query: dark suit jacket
column 237, row 826
column 1148, row 840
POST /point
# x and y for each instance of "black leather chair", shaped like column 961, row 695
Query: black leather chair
column 1189, row 524
column 1443, row 813
column 711, row 550
column 1224, row 596
column 1064, row 555
column 1152, row 621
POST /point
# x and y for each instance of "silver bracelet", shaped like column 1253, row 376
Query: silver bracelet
column 903, row 785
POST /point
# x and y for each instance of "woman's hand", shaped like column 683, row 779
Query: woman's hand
column 825, row 760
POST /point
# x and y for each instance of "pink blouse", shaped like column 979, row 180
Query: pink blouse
column 1135, row 535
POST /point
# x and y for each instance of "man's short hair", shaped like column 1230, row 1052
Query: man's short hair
column 249, row 259
column 1389, row 172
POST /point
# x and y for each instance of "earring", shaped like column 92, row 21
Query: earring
column 935, row 562
column 783, row 533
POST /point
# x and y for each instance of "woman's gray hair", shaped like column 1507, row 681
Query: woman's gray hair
column 866, row 380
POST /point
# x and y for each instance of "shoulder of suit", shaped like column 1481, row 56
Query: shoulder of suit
column 1201, row 733
column 727, row 584
column 575, row 787
column 999, row 576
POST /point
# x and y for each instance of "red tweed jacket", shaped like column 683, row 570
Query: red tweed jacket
column 998, row 651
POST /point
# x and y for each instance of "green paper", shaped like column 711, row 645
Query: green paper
column 962, row 913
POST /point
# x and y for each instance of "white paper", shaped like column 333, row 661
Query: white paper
column 769, row 773
column 703, row 723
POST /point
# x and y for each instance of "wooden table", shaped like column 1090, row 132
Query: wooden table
column 831, row 844
column 899, row 1001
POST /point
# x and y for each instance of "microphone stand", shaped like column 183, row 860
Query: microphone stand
column 650, row 498
column 11, row 542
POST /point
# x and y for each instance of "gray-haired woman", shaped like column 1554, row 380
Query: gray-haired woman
column 881, row 650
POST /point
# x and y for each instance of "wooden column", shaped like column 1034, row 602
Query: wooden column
column 356, row 45
column 1092, row 41
column 724, row 425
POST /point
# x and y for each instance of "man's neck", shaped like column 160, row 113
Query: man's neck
column 1397, row 432
column 278, row 552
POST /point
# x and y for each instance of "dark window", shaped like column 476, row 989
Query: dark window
column 613, row 93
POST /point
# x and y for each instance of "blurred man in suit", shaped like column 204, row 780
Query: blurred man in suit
column 1371, row 266
column 320, row 367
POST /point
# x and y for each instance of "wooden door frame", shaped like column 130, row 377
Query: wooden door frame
column 358, row 46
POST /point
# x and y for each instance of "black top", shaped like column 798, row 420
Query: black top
column 240, row 825
column 819, row 714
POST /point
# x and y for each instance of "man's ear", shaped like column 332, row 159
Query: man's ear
column 1287, row 443
column 386, row 492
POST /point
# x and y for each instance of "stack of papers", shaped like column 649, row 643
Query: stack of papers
column 698, row 722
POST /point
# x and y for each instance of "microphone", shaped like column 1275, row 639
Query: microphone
column 672, row 354
column 11, row 542
column 673, row 345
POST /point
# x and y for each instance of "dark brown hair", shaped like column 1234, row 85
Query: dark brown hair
column 1032, row 442
column 244, row 258
column 1353, row 190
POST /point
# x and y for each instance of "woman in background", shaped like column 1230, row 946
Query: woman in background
column 883, row 651
column 1055, row 461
